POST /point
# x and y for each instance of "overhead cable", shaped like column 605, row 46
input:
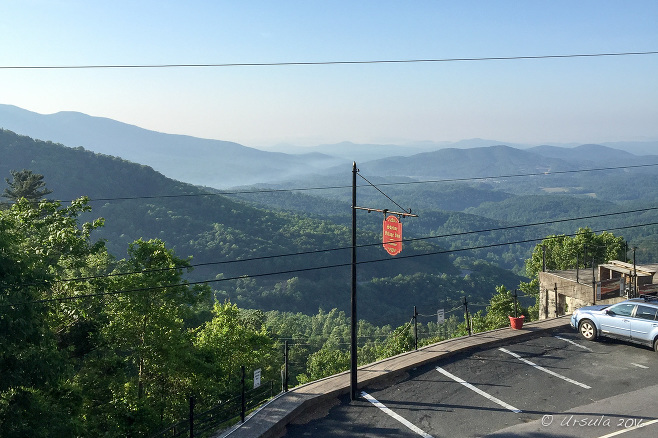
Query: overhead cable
column 310, row 63
column 325, row 250
column 306, row 189
column 266, row 274
column 300, row 189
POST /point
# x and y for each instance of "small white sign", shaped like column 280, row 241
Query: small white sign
column 257, row 378
column 440, row 316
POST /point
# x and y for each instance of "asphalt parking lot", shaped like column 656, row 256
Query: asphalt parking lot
column 556, row 385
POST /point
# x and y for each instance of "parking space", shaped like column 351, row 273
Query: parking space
column 516, row 385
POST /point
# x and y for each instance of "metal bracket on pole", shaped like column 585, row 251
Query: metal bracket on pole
column 386, row 211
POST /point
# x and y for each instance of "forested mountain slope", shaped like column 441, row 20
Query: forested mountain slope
column 602, row 188
column 239, row 241
column 236, row 246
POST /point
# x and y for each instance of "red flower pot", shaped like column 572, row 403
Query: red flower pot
column 516, row 323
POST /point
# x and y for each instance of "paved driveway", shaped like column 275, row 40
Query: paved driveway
column 556, row 385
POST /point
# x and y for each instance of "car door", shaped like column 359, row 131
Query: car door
column 616, row 320
column 643, row 324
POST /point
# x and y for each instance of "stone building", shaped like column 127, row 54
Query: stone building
column 561, row 292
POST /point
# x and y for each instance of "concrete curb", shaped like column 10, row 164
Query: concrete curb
column 270, row 421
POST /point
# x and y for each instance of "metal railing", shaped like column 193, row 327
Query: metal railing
column 220, row 416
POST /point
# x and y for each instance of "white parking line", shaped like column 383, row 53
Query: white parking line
column 552, row 373
column 574, row 343
column 402, row 420
column 479, row 391
column 619, row 432
column 639, row 366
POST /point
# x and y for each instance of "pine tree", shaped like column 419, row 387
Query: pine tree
column 26, row 184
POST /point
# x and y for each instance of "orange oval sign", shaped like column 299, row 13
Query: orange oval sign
column 392, row 238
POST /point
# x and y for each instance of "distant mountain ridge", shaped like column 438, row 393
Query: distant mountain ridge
column 483, row 162
column 459, row 163
column 361, row 152
column 194, row 160
column 224, row 164
column 587, row 153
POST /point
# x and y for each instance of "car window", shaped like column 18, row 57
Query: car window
column 622, row 309
column 645, row 312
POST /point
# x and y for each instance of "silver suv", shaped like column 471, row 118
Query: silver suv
column 631, row 320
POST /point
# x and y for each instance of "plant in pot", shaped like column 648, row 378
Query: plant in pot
column 516, row 321
column 502, row 308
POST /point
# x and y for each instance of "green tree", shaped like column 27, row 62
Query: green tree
column 398, row 342
column 562, row 252
column 25, row 184
column 325, row 362
column 38, row 244
column 231, row 339
column 146, row 329
column 500, row 307
column 565, row 252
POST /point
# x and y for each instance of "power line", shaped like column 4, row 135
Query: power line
column 494, row 245
column 519, row 175
column 366, row 245
column 325, row 250
column 310, row 63
column 338, row 265
column 303, row 189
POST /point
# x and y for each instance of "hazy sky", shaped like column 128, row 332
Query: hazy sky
column 593, row 99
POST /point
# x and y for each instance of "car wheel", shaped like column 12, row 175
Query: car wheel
column 587, row 329
column 655, row 345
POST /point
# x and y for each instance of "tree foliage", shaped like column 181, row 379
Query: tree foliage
column 232, row 339
column 583, row 249
column 25, row 184
column 38, row 244
column 501, row 306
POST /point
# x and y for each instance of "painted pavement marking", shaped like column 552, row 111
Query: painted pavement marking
column 552, row 373
column 574, row 343
column 479, row 391
column 639, row 365
column 619, row 432
column 401, row 419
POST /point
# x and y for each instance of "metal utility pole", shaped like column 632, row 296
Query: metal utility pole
column 516, row 308
column 191, row 416
column 243, row 405
column 353, row 383
column 634, row 274
column 593, row 282
column 468, row 322
column 285, row 366
column 415, row 329
column 353, row 345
